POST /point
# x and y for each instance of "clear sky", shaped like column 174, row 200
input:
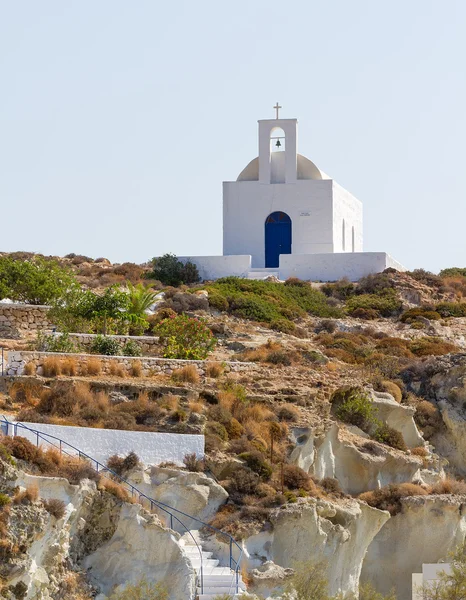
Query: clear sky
column 120, row 119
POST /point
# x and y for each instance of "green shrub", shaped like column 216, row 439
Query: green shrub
column 171, row 271
column 217, row 429
column 218, row 302
column 341, row 289
column 131, row 348
column 389, row 436
column 379, row 284
column 431, row 346
column 451, row 309
column 4, row 500
column 386, row 305
column 425, row 312
column 453, row 272
column 268, row 301
column 257, row 462
column 283, row 325
column 60, row 342
column 185, row 337
column 105, row 345
column 353, row 406
column 290, row 497
column 34, row 280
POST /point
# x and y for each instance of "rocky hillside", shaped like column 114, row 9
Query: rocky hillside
column 341, row 445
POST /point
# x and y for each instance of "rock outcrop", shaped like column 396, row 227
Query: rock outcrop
column 425, row 531
column 398, row 417
column 195, row 494
column 312, row 531
column 358, row 465
column 141, row 546
column 117, row 542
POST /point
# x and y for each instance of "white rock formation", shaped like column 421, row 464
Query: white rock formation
column 269, row 579
column 397, row 416
column 311, row 531
column 195, row 494
column 425, row 531
column 142, row 546
column 342, row 455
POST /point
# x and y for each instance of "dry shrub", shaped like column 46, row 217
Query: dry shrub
column 192, row 463
column 288, row 412
column 244, row 481
column 69, row 366
column 389, row 497
column 136, row 368
column 27, row 496
column 52, row 366
column 93, row 367
column 294, row 478
column 187, row 374
column 214, row 369
column 114, row 488
column 258, row 413
column 113, row 368
column 428, row 417
column 196, row 407
column 122, row 465
column 20, row 448
column 390, row 387
column 420, row 451
column 121, row 371
column 25, row 391
column 55, row 507
column 75, row 470
column 449, row 486
column 170, row 402
column 30, row 368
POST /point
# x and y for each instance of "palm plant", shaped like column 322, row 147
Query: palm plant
column 141, row 298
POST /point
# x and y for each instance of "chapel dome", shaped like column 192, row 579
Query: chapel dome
column 306, row 169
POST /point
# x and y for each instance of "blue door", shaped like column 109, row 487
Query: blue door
column 277, row 237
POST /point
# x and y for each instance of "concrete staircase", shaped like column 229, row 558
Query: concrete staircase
column 218, row 581
column 262, row 273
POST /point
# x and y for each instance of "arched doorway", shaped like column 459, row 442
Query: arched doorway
column 277, row 238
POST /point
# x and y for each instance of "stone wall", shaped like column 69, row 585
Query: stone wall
column 147, row 344
column 17, row 361
column 21, row 320
column 100, row 444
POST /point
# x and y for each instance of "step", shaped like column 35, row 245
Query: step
column 218, row 590
column 208, row 562
column 195, row 553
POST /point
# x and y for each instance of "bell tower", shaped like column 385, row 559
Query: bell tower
column 285, row 168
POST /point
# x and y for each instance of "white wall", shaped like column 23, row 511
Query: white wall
column 430, row 574
column 331, row 267
column 152, row 448
column 348, row 208
column 214, row 267
column 247, row 204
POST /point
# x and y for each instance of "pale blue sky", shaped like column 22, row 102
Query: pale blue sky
column 120, row 119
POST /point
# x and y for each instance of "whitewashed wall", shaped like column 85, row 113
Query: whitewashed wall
column 247, row 204
column 152, row 448
column 331, row 267
column 214, row 267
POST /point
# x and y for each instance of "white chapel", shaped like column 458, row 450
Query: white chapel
column 284, row 217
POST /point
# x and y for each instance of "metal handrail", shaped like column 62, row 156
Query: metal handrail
column 134, row 490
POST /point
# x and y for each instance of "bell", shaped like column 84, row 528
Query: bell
column 278, row 144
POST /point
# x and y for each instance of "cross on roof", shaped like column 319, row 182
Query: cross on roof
column 277, row 107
